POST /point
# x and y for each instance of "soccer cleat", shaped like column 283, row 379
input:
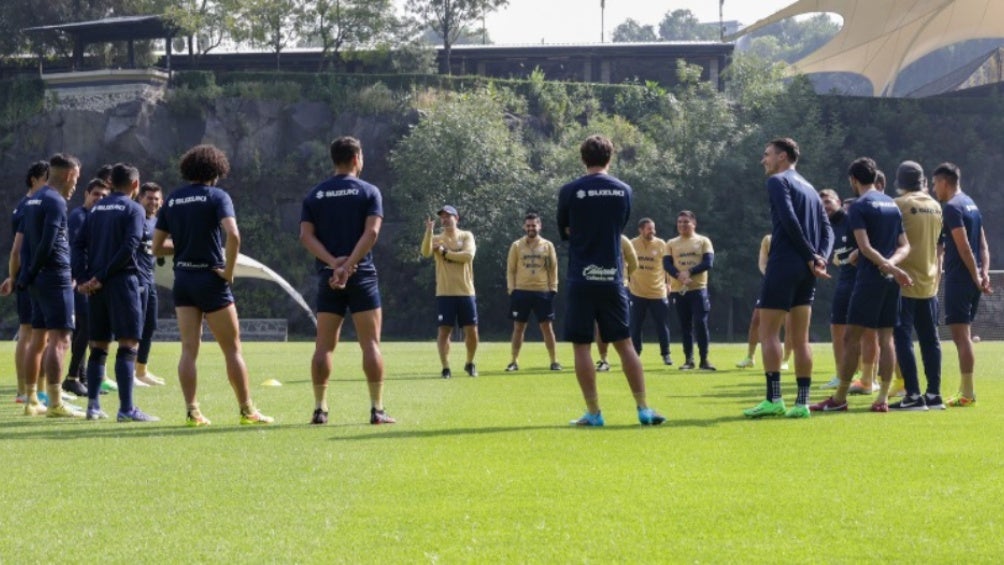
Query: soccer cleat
column 934, row 402
column 830, row 384
column 470, row 369
column 766, row 408
column 667, row 360
column 75, row 387
column 380, row 417
column 511, row 367
column 43, row 397
column 706, row 366
column 96, row 413
column 688, row 365
column 35, row 409
column 195, row 419
column 910, row 403
column 602, row 366
column 556, row 366
column 798, row 411
column 589, row 420
column 858, row 387
column 446, row 374
column 319, row 417
column 746, row 363
column 65, row 411
column 649, row 417
column 961, row 401
column 150, row 379
column 879, row 407
column 135, row 415
column 20, row 399
column 138, row 383
column 254, row 417
column 829, row 405
column 784, row 366
column 108, row 385
column 898, row 388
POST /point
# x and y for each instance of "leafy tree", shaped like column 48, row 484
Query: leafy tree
column 209, row 21
column 682, row 24
column 273, row 23
column 791, row 39
column 337, row 24
column 450, row 19
column 632, row 31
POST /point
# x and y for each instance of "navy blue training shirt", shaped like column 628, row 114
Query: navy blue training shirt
column 338, row 209
column 78, row 253
column 595, row 208
column 843, row 245
column 961, row 212
column 17, row 216
column 112, row 235
column 801, row 228
column 879, row 215
column 45, row 245
column 144, row 255
column 192, row 215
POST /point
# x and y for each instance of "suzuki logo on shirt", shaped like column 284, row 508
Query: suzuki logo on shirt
column 186, row 200
column 109, row 207
column 336, row 193
column 884, row 205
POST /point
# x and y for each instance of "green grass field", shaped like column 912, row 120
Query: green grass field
column 487, row 470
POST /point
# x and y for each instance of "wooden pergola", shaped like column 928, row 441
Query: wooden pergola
column 109, row 30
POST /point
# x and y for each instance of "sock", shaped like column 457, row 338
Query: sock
column 247, row 408
column 966, row 386
column 773, row 385
column 193, row 408
column 640, row 400
column 32, row 393
column 125, row 369
column 321, row 397
column 868, row 371
column 140, row 369
column 593, row 404
column 95, row 371
column 804, row 384
column 376, row 394
column 55, row 392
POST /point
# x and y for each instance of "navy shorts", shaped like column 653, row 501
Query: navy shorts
column 52, row 301
column 787, row 285
column 457, row 310
column 203, row 290
column 603, row 306
column 874, row 303
column 360, row 294
column 841, row 302
column 23, row 307
column 116, row 311
column 522, row 302
column 962, row 299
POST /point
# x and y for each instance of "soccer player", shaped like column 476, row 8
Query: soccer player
column 453, row 250
column 844, row 257
column 339, row 224
column 111, row 235
column 532, row 281
column 877, row 225
column 75, row 374
column 800, row 241
column 196, row 217
column 688, row 259
column 630, row 266
column 592, row 213
column 45, row 258
column 753, row 336
column 967, row 264
column 38, row 175
column 647, row 288
column 151, row 196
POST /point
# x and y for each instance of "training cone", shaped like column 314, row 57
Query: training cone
column 271, row 382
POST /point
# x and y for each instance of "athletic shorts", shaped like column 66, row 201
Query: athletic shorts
column 52, row 301
column 841, row 302
column 116, row 311
column 360, row 294
column 874, row 303
column 202, row 290
column 457, row 310
column 522, row 302
column 23, row 306
column 962, row 299
column 787, row 285
column 148, row 296
column 602, row 306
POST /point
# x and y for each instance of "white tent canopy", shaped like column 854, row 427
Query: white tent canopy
column 246, row 268
column 880, row 38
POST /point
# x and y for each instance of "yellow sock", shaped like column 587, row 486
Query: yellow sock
column 966, row 386
column 321, row 397
column 376, row 394
column 55, row 394
column 640, row 400
column 593, row 404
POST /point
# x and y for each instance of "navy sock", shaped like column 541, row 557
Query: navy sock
column 804, row 384
column 125, row 368
column 773, row 386
column 95, row 372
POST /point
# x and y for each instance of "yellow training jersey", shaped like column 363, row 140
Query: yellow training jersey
column 686, row 254
column 630, row 258
column 922, row 224
column 649, row 281
column 454, row 271
column 532, row 266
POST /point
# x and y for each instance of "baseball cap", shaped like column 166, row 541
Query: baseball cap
column 909, row 175
column 449, row 210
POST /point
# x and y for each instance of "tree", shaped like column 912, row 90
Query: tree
column 683, row 25
column 269, row 22
column 450, row 18
column 632, row 31
column 210, row 21
column 337, row 24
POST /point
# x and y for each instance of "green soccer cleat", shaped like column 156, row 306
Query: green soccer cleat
column 766, row 408
column 254, row 417
column 798, row 411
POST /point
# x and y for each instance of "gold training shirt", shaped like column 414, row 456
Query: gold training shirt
column 922, row 224
column 455, row 271
column 649, row 281
column 630, row 258
column 532, row 266
column 686, row 254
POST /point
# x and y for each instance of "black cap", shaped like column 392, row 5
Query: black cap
column 909, row 175
column 449, row 210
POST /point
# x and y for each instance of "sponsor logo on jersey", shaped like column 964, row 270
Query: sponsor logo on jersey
column 186, row 200
column 337, row 193
column 600, row 274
